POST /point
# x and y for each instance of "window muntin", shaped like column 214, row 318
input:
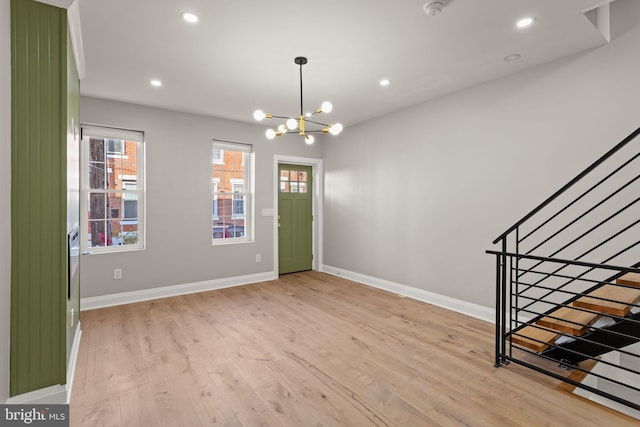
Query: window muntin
column 231, row 188
column 113, row 188
column 293, row 181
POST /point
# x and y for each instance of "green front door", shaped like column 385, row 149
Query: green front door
column 295, row 218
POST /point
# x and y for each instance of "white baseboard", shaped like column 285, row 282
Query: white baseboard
column 56, row 394
column 73, row 359
column 474, row 310
column 102, row 301
column 460, row 306
column 53, row 395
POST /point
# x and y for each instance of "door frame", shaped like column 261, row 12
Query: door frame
column 317, row 172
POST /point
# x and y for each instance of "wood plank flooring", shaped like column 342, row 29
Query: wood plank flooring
column 307, row 349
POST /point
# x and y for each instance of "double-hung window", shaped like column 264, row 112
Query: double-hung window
column 112, row 189
column 231, row 192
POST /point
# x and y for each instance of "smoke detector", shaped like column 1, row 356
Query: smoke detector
column 434, row 8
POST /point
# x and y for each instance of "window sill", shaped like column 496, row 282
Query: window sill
column 112, row 250
column 230, row 241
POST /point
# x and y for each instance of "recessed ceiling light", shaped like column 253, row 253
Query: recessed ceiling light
column 155, row 83
column 190, row 17
column 525, row 22
column 512, row 57
column 385, row 82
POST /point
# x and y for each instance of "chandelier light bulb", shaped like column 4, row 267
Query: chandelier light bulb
column 299, row 124
column 270, row 133
column 335, row 129
column 292, row 124
column 259, row 115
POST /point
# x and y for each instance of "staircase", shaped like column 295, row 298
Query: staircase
column 574, row 319
column 568, row 282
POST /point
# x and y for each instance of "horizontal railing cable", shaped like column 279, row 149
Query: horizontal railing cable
column 619, row 268
column 577, row 294
column 604, row 362
column 581, row 355
column 590, row 269
column 577, row 367
column 550, row 314
column 569, row 350
column 560, row 276
column 591, row 327
column 568, row 304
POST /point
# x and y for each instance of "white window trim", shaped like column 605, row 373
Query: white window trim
column 249, row 185
column 127, row 135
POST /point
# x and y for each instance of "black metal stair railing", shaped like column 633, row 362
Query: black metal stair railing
column 613, row 337
column 568, row 280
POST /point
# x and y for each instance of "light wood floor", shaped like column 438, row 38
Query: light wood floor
column 306, row 350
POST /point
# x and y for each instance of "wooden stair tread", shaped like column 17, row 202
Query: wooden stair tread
column 531, row 334
column 624, row 296
column 629, row 279
column 569, row 315
column 576, row 322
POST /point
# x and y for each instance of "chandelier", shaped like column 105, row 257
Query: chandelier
column 301, row 123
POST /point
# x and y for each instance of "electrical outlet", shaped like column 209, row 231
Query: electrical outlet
column 117, row 273
column 258, row 258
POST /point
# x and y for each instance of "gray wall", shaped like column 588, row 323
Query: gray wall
column 5, row 196
column 178, row 182
column 417, row 197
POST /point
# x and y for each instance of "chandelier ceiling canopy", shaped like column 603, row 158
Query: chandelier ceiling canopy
column 302, row 125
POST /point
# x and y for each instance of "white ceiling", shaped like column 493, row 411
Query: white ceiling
column 239, row 56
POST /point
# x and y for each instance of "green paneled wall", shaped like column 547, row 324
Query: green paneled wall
column 38, row 198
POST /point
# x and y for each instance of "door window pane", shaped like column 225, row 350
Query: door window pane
column 293, row 181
